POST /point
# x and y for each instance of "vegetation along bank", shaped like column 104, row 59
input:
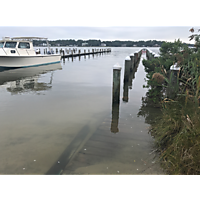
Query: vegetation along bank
column 175, row 93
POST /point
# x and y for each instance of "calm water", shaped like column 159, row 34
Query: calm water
column 57, row 119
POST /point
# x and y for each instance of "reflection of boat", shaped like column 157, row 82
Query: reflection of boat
column 26, row 79
column 19, row 52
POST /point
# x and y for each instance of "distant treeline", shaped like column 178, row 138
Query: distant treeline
column 93, row 43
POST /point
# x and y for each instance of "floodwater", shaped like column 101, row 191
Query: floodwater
column 59, row 119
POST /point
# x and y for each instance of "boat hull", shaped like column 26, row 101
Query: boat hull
column 28, row 61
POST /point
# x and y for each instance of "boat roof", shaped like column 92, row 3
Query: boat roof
column 29, row 38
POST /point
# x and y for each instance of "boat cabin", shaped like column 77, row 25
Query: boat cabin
column 18, row 46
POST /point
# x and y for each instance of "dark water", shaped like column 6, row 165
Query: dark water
column 57, row 119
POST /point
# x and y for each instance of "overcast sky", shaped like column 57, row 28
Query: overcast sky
column 102, row 32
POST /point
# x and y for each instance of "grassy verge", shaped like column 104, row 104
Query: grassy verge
column 177, row 137
column 177, row 129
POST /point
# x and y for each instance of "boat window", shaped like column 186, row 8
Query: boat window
column 24, row 45
column 1, row 44
column 10, row 44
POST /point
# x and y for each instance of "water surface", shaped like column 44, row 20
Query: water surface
column 57, row 119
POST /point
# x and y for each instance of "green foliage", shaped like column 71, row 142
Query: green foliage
column 177, row 135
column 177, row 129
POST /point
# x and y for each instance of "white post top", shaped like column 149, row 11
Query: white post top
column 136, row 51
column 132, row 54
column 156, row 55
column 127, row 58
column 174, row 67
column 117, row 66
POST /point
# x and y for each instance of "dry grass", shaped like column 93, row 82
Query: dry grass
column 159, row 78
column 177, row 136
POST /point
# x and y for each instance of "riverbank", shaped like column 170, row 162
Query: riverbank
column 177, row 129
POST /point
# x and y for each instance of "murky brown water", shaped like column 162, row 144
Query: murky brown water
column 57, row 119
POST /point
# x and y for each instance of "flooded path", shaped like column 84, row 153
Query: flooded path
column 58, row 120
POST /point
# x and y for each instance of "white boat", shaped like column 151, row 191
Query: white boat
column 19, row 52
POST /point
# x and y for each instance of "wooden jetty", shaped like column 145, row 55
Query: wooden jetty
column 66, row 53
column 75, row 53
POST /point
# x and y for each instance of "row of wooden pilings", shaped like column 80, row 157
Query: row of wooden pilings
column 130, row 67
column 75, row 52
column 151, row 55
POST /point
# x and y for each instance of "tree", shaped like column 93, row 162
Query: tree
column 196, row 37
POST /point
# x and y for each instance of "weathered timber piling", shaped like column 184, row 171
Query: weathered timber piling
column 89, row 52
column 132, row 62
column 127, row 68
column 151, row 55
column 135, row 57
column 115, row 98
column 63, row 55
column 173, row 87
column 116, row 83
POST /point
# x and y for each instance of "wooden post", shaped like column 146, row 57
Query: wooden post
column 63, row 55
column 172, row 89
column 116, row 83
column 115, row 98
column 135, row 57
column 127, row 68
column 126, row 78
column 132, row 62
column 79, row 52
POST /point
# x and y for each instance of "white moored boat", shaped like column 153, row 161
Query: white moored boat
column 19, row 52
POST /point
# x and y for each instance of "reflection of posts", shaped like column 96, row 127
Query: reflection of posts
column 125, row 92
column 115, row 118
column 115, row 98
